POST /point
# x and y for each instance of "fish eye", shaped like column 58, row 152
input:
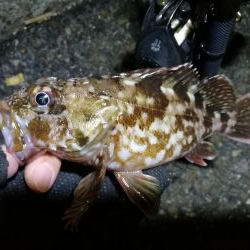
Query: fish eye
column 42, row 99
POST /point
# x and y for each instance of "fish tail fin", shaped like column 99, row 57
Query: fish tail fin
column 218, row 95
column 238, row 124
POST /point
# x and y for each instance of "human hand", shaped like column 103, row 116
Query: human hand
column 47, row 174
column 40, row 173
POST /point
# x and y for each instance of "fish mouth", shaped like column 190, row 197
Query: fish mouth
column 16, row 138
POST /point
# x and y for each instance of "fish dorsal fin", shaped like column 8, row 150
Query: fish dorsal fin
column 181, row 76
column 216, row 93
column 181, row 79
column 185, row 76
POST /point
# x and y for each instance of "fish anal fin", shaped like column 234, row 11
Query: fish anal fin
column 203, row 151
column 85, row 194
column 142, row 190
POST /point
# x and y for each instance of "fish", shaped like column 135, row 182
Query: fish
column 124, row 123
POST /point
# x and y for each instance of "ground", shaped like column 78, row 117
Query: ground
column 99, row 37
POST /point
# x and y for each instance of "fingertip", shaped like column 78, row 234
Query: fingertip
column 40, row 174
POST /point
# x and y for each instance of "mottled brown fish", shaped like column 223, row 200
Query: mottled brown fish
column 124, row 123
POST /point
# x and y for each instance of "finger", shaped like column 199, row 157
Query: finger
column 40, row 174
column 13, row 163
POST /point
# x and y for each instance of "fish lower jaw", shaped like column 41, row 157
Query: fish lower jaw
column 26, row 154
column 28, row 149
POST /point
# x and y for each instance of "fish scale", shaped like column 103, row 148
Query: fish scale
column 165, row 124
column 124, row 123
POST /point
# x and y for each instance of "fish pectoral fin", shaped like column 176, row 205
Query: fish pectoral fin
column 143, row 190
column 203, row 151
column 85, row 194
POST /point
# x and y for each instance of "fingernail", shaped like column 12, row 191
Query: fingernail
column 43, row 177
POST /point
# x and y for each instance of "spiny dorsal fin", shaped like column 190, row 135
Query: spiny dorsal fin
column 217, row 94
column 183, row 75
column 180, row 78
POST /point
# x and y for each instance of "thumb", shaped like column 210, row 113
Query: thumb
column 41, row 173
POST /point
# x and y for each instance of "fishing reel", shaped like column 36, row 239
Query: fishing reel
column 178, row 31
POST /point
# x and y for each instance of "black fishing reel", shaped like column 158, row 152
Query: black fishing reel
column 167, row 35
column 178, row 31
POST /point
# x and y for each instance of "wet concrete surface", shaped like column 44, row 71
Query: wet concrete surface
column 208, row 208
column 15, row 16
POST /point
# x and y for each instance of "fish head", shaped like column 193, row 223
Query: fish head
column 55, row 116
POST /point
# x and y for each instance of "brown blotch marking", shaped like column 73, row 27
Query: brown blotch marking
column 39, row 129
column 130, row 120
column 198, row 100
column 152, row 114
column 178, row 123
column 150, row 87
column 169, row 152
column 115, row 139
column 190, row 115
column 153, row 150
column 80, row 137
column 187, row 132
column 181, row 92
column 163, row 137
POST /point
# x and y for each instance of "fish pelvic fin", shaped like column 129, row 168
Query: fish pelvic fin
column 85, row 194
column 238, row 124
column 142, row 190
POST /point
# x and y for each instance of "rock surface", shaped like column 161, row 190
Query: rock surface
column 19, row 14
